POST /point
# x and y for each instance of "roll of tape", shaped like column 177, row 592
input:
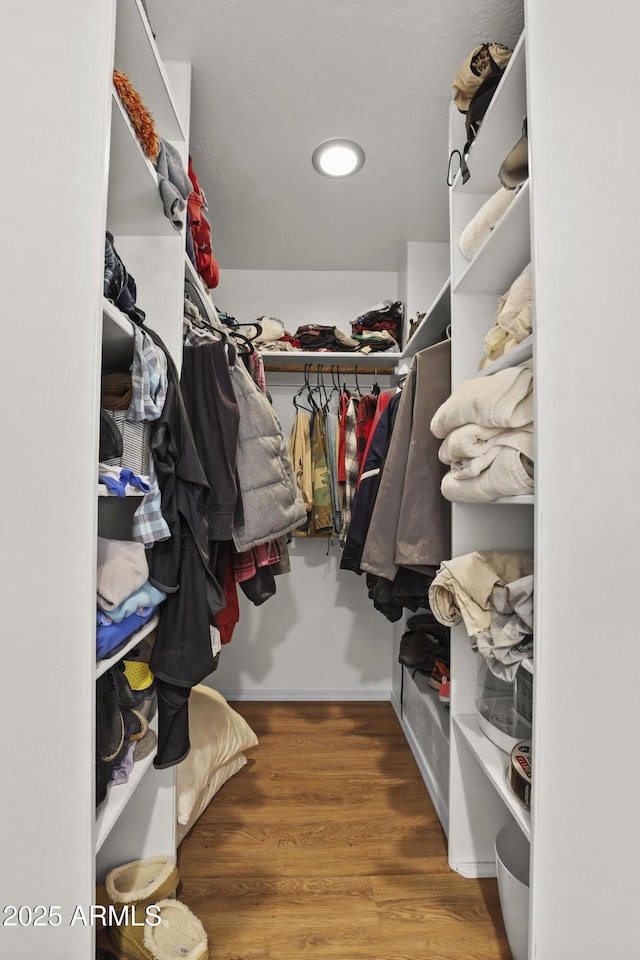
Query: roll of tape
column 520, row 771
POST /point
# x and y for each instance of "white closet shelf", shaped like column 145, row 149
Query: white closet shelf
column 500, row 129
column 432, row 325
column 523, row 351
column 117, row 337
column 103, row 665
column 504, row 254
column 523, row 500
column 426, row 725
column 103, row 492
column 494, row 762
column 116, row 325
column 137, row 55
column 134, row 205
column 118, row 796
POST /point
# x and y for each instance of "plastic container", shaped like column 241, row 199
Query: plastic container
column 512, row 867
column 498, row 716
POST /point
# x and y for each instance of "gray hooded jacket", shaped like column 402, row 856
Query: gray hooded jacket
column 271, row 504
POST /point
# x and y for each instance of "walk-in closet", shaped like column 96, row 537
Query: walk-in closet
column 320, row 484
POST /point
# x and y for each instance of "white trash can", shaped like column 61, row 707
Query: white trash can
column 512, row 867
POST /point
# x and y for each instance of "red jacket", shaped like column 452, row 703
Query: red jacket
column 201, row 233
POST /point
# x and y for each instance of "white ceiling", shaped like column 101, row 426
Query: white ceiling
column 274, row 78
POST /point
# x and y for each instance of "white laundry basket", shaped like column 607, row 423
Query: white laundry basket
column 512, row 866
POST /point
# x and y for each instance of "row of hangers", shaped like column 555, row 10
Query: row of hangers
column 244, row 343
column 326, row 391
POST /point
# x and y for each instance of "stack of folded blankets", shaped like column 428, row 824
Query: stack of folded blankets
column 491, row 593
column 126, row 600
column 379, row 328
column 513, row 320
column 486, row 426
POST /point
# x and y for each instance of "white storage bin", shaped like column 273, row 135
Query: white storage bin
column 498, row 716
column 512, row 866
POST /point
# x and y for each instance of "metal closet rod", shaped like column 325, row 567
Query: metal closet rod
column 313, row 368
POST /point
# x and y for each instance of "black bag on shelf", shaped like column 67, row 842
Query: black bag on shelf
column 473, row 88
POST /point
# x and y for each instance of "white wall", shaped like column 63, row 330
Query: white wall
column 423, row 273
column 319, row 637
column 298, row 297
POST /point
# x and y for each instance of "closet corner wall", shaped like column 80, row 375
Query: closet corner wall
column 73, row 170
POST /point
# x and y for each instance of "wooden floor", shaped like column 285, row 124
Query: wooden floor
column 326, row 846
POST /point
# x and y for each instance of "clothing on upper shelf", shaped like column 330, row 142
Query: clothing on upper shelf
column 173, row 183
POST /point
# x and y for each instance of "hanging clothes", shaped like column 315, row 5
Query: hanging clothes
column 183, row 653
column 321, row 520
column 350, row 464
column 369, row 484
column 364, row 421
column 299, row 449
column 410, row 522
column 271, row 503
column 214, row 416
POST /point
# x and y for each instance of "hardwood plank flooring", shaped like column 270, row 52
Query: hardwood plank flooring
column 326, row 847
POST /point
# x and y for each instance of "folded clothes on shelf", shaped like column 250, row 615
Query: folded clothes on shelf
column 122, row 569
column 513, row 320
column 111, row 636
column 491, row 593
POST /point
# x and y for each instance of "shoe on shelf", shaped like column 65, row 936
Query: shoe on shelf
column 444, row 693
column 439, row 674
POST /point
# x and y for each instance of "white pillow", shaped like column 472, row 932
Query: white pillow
column 218, row 734
column 480, row 226
column 218, row 779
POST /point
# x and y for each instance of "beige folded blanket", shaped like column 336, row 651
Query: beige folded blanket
column 509, row 475
column 461, row 590
column 462, row 468
column 465, row 464
column 513, row 320
column 504, row 399
column 478, row 229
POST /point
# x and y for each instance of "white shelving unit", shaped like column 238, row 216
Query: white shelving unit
column 74, row 143
column 481, row 799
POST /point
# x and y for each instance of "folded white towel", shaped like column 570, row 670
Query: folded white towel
column 462, row 468
column 471, row 440
column 478, row 229
column 504, row 399
column 509, row 475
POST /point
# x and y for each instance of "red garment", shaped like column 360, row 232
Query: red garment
column 265, row 555
column 345, row 396
column 364, row 421
column 227, row 618
column 383, row 400
column 201, row 232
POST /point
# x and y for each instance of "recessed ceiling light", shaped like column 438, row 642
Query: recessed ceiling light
column 338, row 158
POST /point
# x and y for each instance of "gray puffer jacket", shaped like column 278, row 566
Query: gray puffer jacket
column 270, row 504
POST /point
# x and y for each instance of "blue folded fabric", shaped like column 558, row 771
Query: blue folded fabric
column 146, row 596
column 118, row 486
column 110, row 635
